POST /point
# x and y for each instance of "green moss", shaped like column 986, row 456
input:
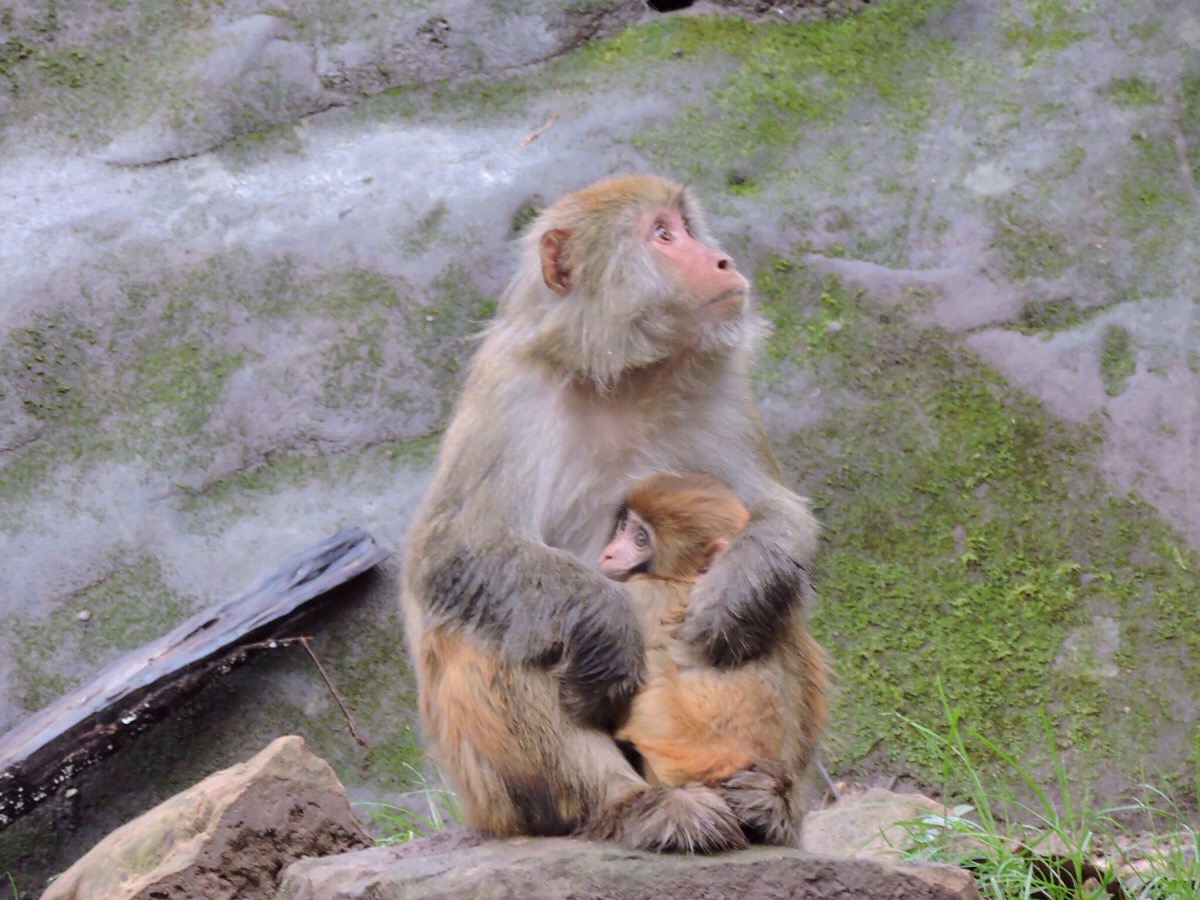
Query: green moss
column 178, row 382
column 1117, row 361
column 1133, row 92
column 809, row 331
column 524, row 216
column 1054, row 315
column 1030, row 249
column 482, row 100
column 1151, row 203
column 965, row 533
column 75, row 91
column 1043, row 26
column 90, row 93
column 347, row 295
column 128, row 607
column 260, row 144
column 1072, row 157
column 787, row 78
column 1146, row 31
column 427, row 229
column 41, row 364
column 71, row 67
column 13, row 52
column 45, row 370
column 293, row 470
column 1143, row 195
column 384, row 346
column 1189, row 118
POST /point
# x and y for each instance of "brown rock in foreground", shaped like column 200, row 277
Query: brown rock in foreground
column 229, row 836
column 866, row 826
column 456, row 864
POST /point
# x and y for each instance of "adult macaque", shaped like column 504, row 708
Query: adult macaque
column 620, row 348
column 693, row 722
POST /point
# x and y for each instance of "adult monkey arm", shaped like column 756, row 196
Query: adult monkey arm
column 737, row 606
column 481, row 564
column 541, row 607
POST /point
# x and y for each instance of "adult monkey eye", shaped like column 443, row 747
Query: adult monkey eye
column 662, row 232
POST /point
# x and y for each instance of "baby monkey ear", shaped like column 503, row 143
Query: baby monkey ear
column 554, row 270
column 710, row 551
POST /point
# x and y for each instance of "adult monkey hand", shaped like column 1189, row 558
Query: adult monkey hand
column 736, row 607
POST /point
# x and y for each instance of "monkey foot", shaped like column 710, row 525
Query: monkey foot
column 691, row 819
column 760, row 798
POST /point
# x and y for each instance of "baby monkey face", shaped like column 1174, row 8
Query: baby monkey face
column 631, row 548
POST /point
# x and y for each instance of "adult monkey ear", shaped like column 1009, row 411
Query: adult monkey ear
column 554, row 272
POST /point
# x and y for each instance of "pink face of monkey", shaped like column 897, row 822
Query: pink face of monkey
column 631, row 548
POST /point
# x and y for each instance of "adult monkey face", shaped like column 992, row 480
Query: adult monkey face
column 704, row 273
column 634, row 278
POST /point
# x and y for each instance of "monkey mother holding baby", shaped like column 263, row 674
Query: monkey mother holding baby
column 621, row 348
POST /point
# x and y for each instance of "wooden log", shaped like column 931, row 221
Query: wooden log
column 48, row 750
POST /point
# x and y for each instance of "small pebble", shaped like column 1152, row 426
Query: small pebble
column 83, row 615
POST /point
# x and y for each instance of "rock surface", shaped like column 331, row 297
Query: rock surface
column 865, row 826
column 226, row 838
column 454, row 865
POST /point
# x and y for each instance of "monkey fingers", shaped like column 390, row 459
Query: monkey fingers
column 733, row 617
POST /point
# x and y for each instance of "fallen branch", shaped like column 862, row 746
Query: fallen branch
column 48, row 750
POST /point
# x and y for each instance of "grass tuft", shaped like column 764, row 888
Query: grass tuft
column 398, row 824
column 1050, row 845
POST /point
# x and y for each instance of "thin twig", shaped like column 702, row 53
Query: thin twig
column 336, row 696
column 538, row 132
column 837, row 795
column 302, row 640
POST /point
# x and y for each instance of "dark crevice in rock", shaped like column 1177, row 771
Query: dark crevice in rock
column 668, row 5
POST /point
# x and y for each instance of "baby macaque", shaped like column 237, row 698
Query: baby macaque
column 694, row 722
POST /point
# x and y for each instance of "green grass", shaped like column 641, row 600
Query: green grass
column 396, row 823
column 1050, row 844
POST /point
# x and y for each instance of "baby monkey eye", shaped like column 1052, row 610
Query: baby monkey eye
column 641, row 539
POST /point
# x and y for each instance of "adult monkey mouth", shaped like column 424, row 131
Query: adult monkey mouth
column 727, row 298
